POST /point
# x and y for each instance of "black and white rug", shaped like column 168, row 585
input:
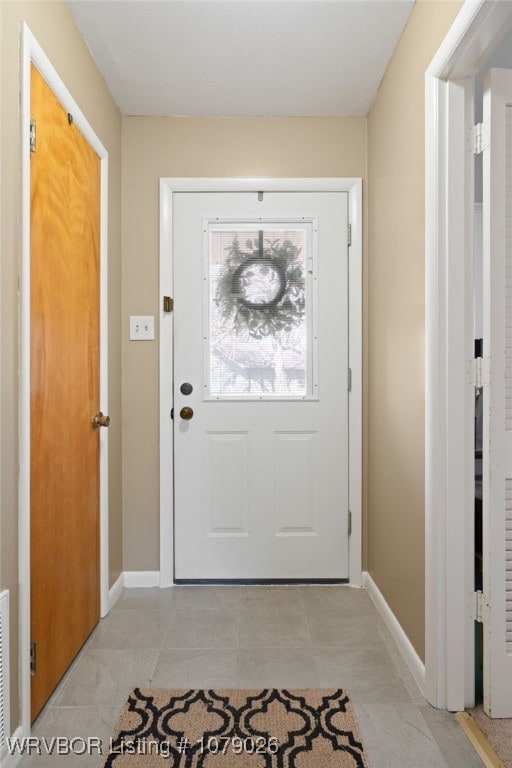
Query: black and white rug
column 268, row 728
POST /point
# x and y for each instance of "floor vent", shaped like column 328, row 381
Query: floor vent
column 4, row 670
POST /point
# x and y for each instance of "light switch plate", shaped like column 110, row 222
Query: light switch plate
column 142, row 327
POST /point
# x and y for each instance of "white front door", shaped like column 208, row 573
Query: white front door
column 261, row 385
column 497, row 393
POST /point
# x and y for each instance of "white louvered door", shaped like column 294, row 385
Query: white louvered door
column 497, row 426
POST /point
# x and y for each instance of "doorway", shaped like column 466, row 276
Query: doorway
column 453, row 373
column 268, row 187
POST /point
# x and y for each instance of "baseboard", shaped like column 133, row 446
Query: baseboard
column 411, row 658
column 141, row 579
column 7, row 760
column 116, row 590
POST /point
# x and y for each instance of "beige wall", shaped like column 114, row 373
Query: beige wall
column 55, row 30
column 279, row 147
column 224, row 147
column 396, row 323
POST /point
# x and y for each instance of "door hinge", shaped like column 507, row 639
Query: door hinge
column 32, row 135
column 168, row 304
column 481, row 608
column 349, row 235
column 349, row 523
column 33, row 658
column 479, row 137
column 480, row 372
column 349, row 379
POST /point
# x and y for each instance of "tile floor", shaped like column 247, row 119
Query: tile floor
column 249, row 637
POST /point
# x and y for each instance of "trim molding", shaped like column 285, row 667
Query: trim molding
column 133, row 579
column 116, row 590
column 477, row 30
column 31, row 52
column 409, row 655
column 354, row 188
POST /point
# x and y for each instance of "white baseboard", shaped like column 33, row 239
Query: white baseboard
column 7, row 760
column 131, row 580
column 411, row 658
column 116, row 590
column 141, row 579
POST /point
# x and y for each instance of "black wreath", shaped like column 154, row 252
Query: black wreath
column 237, row 287
column 284, row 311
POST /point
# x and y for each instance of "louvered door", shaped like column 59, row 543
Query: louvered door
column 497, row 427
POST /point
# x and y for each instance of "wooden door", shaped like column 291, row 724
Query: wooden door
column 261, row 340
column 64, row 381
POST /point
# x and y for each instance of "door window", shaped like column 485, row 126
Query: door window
column 259, row 337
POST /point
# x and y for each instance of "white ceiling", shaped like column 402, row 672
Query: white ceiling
column 242, row 57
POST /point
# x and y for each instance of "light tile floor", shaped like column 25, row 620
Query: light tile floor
column 246, row 637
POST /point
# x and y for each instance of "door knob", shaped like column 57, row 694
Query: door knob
column 99, row 420
column 186, row 413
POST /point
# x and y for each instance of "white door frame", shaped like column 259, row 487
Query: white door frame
column 354, row 188
column 32, row 53
column 449, row 437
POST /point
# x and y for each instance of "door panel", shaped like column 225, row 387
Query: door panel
column 261, row 469
column 64, row 381
column 497, row 402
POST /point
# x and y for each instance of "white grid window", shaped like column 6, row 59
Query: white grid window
column 258, row 283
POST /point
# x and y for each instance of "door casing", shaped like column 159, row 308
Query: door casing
column 32, row 53
column 354, row 188
column 449, row 407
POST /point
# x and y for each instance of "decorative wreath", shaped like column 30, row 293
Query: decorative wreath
column 261, row 290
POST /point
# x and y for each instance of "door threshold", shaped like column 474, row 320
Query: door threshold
column 479, row 741
column 260, row 582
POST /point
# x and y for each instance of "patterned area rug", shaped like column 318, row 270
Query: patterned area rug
column 269, row 728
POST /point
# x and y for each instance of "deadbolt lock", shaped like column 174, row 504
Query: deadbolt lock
column 99, row 420
column 186, row 413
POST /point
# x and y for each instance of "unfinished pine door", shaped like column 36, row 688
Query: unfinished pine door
column 64, row 382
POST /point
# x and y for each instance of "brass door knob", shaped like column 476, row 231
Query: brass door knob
column 99, row 420
column 186, row 413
